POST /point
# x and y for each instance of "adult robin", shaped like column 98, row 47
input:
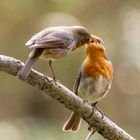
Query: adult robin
column 94, row 79
column 53, row 43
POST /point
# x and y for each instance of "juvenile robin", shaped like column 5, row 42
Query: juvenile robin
column 94, row 79
column 53, row 43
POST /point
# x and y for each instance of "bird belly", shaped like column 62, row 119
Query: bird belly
column 53, row 54
column 93, row 90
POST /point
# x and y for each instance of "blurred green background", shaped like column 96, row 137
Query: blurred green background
column 28, row 114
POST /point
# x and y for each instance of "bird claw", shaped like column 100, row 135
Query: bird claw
column 103, row 114
column 56, row 80
column 21, row 76
column 46, row 78
column 92, row 130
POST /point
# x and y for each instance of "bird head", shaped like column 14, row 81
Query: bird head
column 96, row 48
column 97, row 40
column 81, row 35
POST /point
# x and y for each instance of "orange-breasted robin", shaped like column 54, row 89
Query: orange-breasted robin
column 94, row 80
column 53, row 43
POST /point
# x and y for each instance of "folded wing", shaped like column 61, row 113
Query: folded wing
column 52, row 40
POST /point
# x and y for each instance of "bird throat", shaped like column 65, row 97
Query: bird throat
column 96, row 63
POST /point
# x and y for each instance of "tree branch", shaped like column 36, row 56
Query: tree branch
column 59, row 92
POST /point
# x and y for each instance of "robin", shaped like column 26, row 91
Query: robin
column 53, row 43
column 94, row 79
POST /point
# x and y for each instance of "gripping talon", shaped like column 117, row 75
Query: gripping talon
column 92, row 130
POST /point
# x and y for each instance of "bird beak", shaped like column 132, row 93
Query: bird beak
column 29, row 43
column 92, row 39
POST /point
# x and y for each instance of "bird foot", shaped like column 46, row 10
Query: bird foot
column 21, row 75
column 46, row 78
column 92, row 130
column 103, row 114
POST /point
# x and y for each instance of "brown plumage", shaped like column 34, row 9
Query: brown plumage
column 53, row 43
column 94, row 79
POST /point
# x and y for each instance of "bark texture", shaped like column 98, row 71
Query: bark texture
column 59, row 92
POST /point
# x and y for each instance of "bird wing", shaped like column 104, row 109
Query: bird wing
column 52, row 40
column 77, row 83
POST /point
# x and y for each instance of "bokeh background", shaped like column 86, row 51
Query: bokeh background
column 28, row 114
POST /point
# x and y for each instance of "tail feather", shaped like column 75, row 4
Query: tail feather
column 24, row 72
column 73, row 123
column 33, row 56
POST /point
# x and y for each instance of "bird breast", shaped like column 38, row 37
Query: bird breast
column 93, row 90
column 53, row 54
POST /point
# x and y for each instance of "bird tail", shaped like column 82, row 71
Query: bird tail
column 25, row 70
column 73, row 123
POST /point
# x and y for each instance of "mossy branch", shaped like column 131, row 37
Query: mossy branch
column 59, row 92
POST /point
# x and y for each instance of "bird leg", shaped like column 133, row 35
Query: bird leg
column 92, row 130
column 53, row 74
column 100, row 111
column 46, row 78
column 94, row 106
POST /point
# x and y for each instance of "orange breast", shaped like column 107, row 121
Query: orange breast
column 96, row 67
column 96, row 62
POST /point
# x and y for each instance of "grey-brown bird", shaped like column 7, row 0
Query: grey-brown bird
column 53, row 43
column 94, row 80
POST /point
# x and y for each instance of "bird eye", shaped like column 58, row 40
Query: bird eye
column 100, row 41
